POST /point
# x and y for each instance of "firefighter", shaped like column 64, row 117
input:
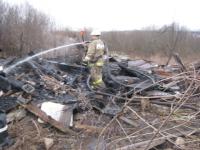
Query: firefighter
column 94, row 59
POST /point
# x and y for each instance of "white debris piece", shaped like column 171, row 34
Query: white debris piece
column 59, row 112
column 1, row 68
column 1, row 93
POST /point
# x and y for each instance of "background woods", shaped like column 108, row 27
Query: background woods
column 24, row 29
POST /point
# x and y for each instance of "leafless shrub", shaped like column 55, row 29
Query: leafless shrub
column 24, row 29
column 151, row 41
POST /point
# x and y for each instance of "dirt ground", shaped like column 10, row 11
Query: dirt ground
column 28, row 134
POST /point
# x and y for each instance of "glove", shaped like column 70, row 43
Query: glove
column 86, row 59
column 105, row 57
column 85, row 63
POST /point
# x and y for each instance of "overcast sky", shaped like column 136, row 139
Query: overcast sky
column 119, row 14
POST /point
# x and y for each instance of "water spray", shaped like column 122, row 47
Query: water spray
column 8, row 69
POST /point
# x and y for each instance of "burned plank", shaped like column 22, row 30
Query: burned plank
column 8, row 83
column 8, row 103
column 38, row 112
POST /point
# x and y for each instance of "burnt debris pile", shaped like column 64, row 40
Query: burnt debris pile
column 144, row 105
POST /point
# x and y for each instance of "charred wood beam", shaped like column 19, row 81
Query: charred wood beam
column 138, row 73
column 7, row 84
column 35, row 69
column 137, row 100
column 48, row 72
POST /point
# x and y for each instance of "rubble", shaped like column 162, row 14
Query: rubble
column 144, row 105
column 16, row 115
column 180, row 142
column 4, row 137
column 48, row 143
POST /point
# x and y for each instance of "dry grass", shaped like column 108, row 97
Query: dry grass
column 159, row 58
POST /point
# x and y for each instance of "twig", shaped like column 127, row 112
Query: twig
column 38, row 130
column 166, row 120
column 151, row 126
column 123, row 130
column 141, row 145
